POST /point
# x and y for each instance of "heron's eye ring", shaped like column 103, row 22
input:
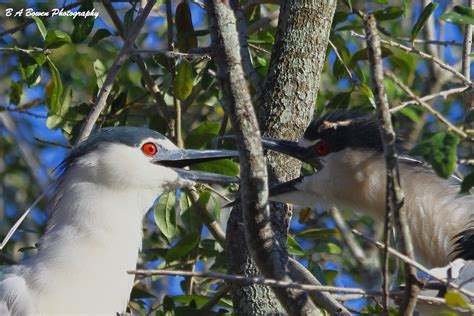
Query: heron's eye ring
column 322, row 148
column 149, row 149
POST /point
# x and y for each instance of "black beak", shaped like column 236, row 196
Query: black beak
column 294, row 150
column 180, row 158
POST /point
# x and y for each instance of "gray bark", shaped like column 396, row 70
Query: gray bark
column 265, row 248
column 287, row 105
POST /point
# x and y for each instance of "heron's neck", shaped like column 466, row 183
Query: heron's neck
column 93, row 237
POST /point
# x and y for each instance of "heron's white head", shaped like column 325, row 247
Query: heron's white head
column 123, row 158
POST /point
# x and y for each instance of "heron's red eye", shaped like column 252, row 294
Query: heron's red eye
column 322, row 148
column 149, row 149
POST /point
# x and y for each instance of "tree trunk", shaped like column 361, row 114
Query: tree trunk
column 287, row 105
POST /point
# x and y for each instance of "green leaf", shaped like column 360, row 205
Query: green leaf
column 317, row 233
column 330, row 247
column 424, row 16
column 330, row 275
column 184, row 28
column 184, row 246
column 41, row 26
column 363, row 55
column 339, row 70
column 223, row 166
column 83, row 25
column 16, row 90
column 294, row 247
column 128, row 22
column 202, row 135
column 455, row 299
column 99, row 35
column 54, row 89
column 340, row 101
column 460, row 15
column 199, row 299
column 30, row 70
column 444, row 153
column 56, row 38
column 138, row 293
column 183, row 83
column 467, row 183
column 365, row 89
column 165, row 215
column 188, row 214
column 404, row 65
column 388, row 13
column 411, row 114
column 100, row 72
column 56, row 120
column 339, row 17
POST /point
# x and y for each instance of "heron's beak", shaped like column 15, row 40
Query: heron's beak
column 177, row 159
column 294, row 150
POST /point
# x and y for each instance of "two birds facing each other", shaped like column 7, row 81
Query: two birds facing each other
column 109, row 182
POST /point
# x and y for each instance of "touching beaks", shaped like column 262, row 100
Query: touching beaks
column 180, row 158
column 294, row 150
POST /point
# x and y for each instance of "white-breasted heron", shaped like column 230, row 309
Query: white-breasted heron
column 94, row 231
column 347, row 150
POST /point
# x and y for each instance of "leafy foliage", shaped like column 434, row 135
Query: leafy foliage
column 57, row 66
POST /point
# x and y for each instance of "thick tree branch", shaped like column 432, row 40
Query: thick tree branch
column 263, row 246
column 395, row 199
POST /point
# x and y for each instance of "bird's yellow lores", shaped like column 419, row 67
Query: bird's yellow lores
column 94, row 232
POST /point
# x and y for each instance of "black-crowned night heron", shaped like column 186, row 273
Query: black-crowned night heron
column 347, row 149
column 94, row 232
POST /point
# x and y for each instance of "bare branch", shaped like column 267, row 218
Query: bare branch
column 413, row 263
column 283, row 284
column 124, row 53
column 430, row 97
column 150, row 83
column 425, row 105
column 395, row 198
column 424, row 55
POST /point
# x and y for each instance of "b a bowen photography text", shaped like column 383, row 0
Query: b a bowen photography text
column 55, row 12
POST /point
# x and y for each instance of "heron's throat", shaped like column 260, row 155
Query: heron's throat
column 92, row 239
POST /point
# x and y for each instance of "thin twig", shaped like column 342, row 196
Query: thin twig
column 413, row 263
column 395, row 198
column 174, row 54
column 242, row 29
column 150, row 83
column 56, row 144
column 424, row 55
column 355, row 249
column 216, row 230
column 177, row 103
column 216, row 298
column 430, row 97
column 425, row 105
column 334, row 48
column 281, row 284
column 124, row 53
